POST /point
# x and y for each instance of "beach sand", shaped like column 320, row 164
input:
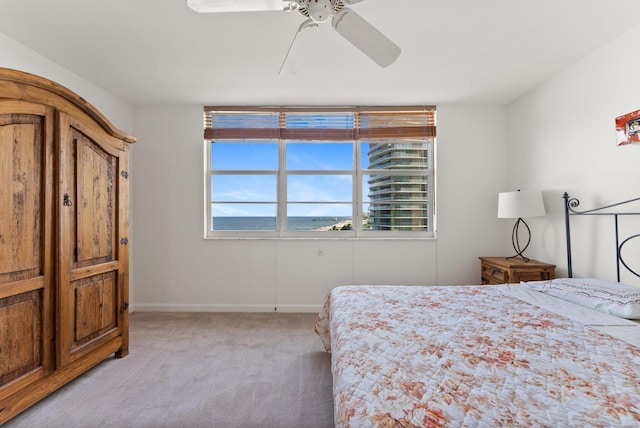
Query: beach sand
column 338, row 226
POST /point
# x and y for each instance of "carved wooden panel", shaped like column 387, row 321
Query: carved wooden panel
column 21, row 167
column 95, row 306
column 96, row 207
column 20, row 335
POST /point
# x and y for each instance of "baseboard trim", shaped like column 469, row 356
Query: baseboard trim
column 167, row 307
column 298, row 308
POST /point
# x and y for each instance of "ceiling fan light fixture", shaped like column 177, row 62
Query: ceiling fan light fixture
column 320, row 10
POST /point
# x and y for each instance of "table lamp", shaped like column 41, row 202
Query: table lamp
column 519, row 204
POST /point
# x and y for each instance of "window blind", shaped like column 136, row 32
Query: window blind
column 319, row 124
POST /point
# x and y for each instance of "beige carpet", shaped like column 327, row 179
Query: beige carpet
column 201, row 370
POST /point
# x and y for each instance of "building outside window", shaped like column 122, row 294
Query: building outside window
column 332, row 172
column 399, row 202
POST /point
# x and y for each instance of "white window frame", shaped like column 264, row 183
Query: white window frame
column 357, row 202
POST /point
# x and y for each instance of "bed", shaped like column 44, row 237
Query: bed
column 550, row 353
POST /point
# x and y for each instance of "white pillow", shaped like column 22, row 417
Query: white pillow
column 608, row 297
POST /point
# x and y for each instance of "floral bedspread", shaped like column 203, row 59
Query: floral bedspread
column 471, row 356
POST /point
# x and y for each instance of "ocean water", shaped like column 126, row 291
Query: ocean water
column 269, row 223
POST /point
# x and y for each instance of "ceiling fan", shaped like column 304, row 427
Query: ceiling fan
column 344, row 20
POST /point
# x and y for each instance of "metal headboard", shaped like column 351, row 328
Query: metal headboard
column 569, row 210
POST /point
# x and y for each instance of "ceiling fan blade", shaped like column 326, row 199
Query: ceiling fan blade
column 218, row 6
column 366, row 37
column 289, row 64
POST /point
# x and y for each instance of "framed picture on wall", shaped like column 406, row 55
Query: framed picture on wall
column 628, row 128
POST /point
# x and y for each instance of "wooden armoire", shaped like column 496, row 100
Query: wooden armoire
column 64, row 243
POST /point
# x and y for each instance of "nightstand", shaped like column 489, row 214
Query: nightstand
column 503, row 270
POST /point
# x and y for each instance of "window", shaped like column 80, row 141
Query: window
column 319, row 172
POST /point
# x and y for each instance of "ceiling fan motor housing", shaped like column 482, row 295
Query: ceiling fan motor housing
column 319, row 10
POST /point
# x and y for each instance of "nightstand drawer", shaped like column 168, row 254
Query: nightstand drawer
column 490, row 281
column 528, row 275
column 493, row 273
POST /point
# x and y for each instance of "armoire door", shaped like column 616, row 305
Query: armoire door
column 92, row 205
column 26, row 251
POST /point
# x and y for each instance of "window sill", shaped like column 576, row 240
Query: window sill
column 427, row 237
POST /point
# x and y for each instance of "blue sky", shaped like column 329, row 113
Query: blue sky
column 263, row 156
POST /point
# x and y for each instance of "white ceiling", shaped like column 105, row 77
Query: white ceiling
column 159, row 52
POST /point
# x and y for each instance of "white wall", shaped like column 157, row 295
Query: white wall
column 17, row 56
column 561, row 137
column 176, row 269
column 471, row 170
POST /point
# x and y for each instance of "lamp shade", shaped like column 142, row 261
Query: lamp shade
column 520, row 204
